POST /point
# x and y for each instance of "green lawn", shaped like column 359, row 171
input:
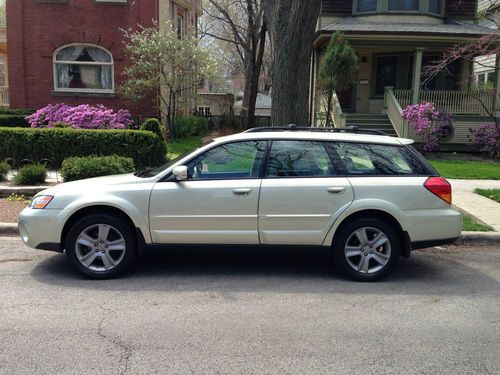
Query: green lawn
column 469, row 170
column 178, row 147
column 493, row 194
column 471, row 226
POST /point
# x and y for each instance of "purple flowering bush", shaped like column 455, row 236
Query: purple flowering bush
column 81, row 117
column 431, row 124
column 487, row 138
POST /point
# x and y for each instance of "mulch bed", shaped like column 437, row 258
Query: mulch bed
column 10, row 210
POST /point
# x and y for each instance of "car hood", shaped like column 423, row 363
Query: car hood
column 101, row 184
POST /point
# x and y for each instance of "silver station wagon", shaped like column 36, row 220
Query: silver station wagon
column 366, row 197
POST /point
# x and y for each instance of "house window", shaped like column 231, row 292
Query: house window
column 2, row 72
column 83, row 68
column 435, row 6
column 385, row 73
column 404, row 5
column 367, row 5
column 203, row 111
column 180, row 22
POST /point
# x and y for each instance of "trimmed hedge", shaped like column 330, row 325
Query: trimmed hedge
column 79, row 168
column 188, row 126
column 31, row 174
column 14, row 121
column 152, row 125
column 145, row 148
column 18, row 112
column 4, row 169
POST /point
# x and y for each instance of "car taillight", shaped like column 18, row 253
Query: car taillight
column 439, row 187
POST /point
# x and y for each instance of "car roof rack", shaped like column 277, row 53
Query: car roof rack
column 293, row 127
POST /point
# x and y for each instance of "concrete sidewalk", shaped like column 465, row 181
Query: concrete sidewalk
column 484, row 209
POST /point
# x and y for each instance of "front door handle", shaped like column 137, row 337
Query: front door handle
column 242, row 192
column 336, row 190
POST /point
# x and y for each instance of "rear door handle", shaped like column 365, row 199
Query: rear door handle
column 336, row 190
column 242, row 192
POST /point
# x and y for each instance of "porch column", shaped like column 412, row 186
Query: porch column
column 417, row 71
column 496, row 102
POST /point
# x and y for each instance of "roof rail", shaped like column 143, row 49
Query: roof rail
column 293, row 127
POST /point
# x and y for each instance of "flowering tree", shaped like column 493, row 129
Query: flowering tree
column 430, row 123
column 80, row 117
column 487, row 139
column 166, row 63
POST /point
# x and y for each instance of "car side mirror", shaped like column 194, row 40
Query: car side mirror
column 180, row 173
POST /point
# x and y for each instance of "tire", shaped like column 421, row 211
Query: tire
column 101, row 246
column 355, row 249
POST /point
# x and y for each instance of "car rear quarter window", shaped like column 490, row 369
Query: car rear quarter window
column 362, row 159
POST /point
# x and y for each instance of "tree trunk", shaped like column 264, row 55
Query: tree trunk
column 254, row 84
column 291, row 25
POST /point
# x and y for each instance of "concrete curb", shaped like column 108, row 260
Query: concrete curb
column 28, row 191
column 8, row 229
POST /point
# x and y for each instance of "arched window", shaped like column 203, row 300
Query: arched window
column 83, row 68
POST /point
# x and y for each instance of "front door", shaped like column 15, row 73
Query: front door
column 301, row 195
column 217, row 204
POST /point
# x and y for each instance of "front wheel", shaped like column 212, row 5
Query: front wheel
column 366, row 249
column 100, row 246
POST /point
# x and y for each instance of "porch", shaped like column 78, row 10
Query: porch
column 4, row 97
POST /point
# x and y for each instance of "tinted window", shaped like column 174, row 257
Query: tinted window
column 229, row 161
column 371, row 159
column 299, row 159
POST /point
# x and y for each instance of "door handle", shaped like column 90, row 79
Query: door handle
column 242, row 192
column 336, row 190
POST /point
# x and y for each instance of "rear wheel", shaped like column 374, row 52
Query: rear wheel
column 366, row 249
column 101, row 246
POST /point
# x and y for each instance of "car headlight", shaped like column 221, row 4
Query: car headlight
column 40, row 202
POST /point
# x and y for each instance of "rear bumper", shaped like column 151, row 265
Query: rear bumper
column 424, row 244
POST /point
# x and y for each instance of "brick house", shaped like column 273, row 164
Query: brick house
column 71, row 51
column 394, row 40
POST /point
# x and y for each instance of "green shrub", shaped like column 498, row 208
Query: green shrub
column 14, row 121
column 31, row 174
column 188, row 126
column 4, row 169
column 78, row 168
column 61, row 125
column 152, row 125
column 146, row 149
column 230, row 122
column 13, row 111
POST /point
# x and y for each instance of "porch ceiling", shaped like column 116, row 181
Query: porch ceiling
column 360, row 29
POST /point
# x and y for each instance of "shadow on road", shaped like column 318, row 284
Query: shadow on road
column 275, row 270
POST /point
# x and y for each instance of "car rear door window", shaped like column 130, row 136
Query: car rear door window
column 376, row 159
column 290, row 158
column 229, row 161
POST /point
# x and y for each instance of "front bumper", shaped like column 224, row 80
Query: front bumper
column 41, row 229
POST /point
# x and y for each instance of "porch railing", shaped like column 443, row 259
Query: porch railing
column 339, row 117
column 395, row 113
column 452, row 101
column 4, row 96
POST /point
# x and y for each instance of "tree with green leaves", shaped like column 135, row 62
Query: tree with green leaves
column 167, row 65
column 337, row 70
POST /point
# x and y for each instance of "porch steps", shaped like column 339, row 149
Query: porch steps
column 371, row 121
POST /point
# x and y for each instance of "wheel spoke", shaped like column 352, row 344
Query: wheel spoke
column 380, row 258
column 362, row 236
column 88, row 258
column 363, row 264
column 116, row 245
column 107, row 261
column 103, row 232
column 85, row 240
column 352, row 251
column 379, row 240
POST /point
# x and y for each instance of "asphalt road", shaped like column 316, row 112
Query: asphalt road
column 250, row 312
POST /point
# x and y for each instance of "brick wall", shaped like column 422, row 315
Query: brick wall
column 337, row 7
column 35, row 30
column 461, row 8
